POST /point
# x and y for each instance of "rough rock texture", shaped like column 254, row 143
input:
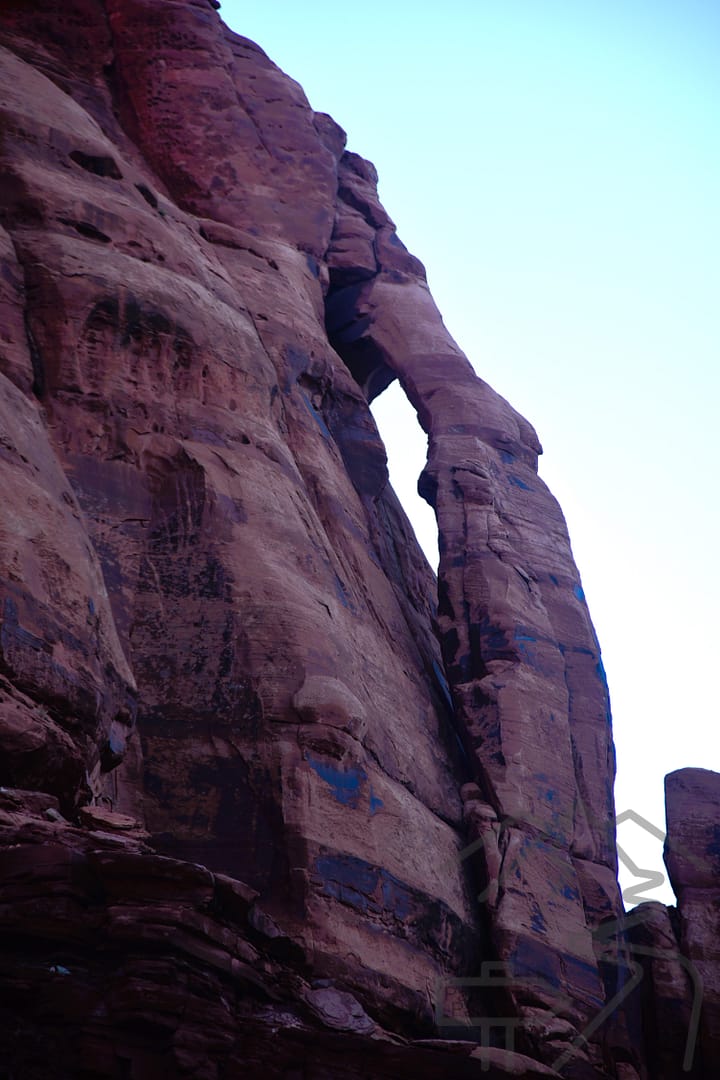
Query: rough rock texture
column 692, row 855
column 268, row 807
column 665, row 1011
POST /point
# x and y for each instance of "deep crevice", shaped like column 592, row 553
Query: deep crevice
column 98, row 164
column 39, row 385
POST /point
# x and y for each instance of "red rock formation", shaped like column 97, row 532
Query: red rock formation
column 692, row 854
column 520, row 653
column 669, row 996
column 255, row 779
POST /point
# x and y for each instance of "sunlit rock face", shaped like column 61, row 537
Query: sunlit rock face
column 272, row 792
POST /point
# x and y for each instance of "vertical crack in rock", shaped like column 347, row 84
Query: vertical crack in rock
column 512, row 621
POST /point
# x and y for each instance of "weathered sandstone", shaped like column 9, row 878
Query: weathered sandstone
column 692, row 855
column 274, row 796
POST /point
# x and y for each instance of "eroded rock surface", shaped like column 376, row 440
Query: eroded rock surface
column 264, row 775
column 692, row 855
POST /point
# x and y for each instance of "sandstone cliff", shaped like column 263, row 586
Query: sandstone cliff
column 276, row 800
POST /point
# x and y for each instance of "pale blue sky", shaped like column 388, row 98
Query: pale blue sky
column 556, row 165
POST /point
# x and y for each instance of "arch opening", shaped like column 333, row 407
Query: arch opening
column 348, row 326
column 406, row 447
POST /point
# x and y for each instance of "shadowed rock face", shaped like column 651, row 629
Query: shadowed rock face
column 266, row 779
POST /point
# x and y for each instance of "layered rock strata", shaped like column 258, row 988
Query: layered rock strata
column 263, row 774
